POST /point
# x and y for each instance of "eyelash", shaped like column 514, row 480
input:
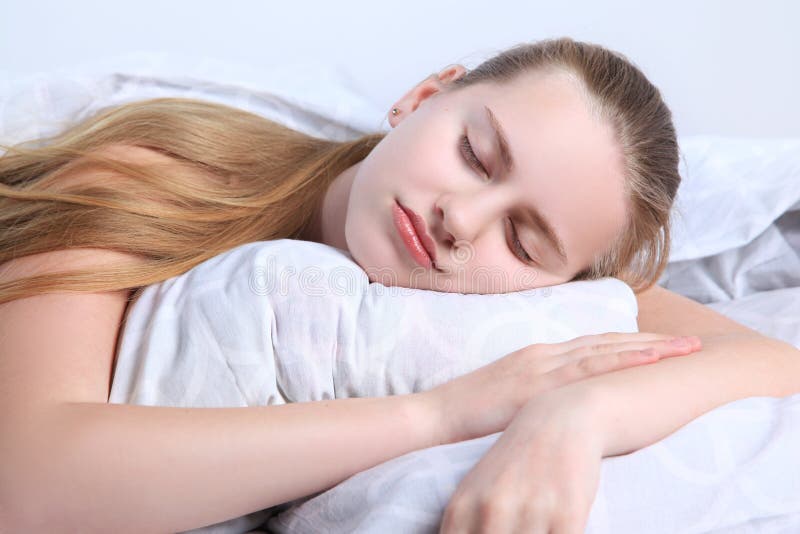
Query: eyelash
column 518, row 245
column 476, row 164
column 472, row 159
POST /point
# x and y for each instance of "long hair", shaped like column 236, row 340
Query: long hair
column 230, row 177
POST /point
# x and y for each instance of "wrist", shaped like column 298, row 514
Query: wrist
column 427, row 416
column 573, row 406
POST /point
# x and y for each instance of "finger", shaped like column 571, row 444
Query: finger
column 604, row 363
column 664, row 347
column 456, row 518
column 531, row 521
column 496, row 515
column 673, row 343
column 569, row 523
column 608, row 338
column 617, row 356
column 532, row 525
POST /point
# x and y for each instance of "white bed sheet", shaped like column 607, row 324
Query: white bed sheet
column 731, row 470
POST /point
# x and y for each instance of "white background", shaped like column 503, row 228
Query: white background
column 724, row 67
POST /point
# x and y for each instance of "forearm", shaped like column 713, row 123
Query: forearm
column 127, row 468
column 638, row 406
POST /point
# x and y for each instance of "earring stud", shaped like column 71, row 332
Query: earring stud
column 395, row 111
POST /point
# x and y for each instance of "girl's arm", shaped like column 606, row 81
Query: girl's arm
column 70, row 462
column 92, row 467
column 638, row 406
column 543, row 471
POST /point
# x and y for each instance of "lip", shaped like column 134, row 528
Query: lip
column 422, row 232
column 411, row 228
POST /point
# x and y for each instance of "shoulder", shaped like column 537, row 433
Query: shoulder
column 64, row 260
column 59, row 346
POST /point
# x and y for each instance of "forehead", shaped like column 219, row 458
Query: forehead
column 567, row 160
column 554, row 99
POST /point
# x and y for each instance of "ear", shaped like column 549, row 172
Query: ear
column 428, row 87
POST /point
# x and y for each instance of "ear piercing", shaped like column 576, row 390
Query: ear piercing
column 395, row 111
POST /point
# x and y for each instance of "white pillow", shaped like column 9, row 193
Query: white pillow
column 731, row 190
column 315, row 98
column 289, row 321
column 735, row 224
column 282, row 321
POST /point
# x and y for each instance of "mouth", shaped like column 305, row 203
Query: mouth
column 411, row 228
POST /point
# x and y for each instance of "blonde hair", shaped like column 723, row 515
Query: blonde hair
column 240, row 177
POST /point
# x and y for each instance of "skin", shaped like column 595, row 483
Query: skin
column 567, row 164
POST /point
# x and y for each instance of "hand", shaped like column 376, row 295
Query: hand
column 484, row 401
column 539, row 477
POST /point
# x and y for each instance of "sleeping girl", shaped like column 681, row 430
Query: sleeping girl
column 552, row 163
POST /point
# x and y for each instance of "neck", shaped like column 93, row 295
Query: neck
column 327, row 226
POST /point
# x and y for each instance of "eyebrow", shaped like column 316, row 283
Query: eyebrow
column 508, row 165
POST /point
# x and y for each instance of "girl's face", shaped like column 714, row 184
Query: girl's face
column 560, row 163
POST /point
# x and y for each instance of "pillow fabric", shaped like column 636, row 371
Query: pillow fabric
column 315, row 98
column 284, row 321
column 732, row 190
column 736, row 222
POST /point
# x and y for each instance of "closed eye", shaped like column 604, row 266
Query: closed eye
column 517, row 245
column 475, row 163
column 469, row 154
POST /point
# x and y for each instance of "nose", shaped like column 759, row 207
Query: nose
column 439, row 226
column 464, row 216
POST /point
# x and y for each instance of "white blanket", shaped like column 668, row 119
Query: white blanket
column 732, row 470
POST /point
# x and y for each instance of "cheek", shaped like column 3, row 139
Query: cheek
column 483, row 257
column 368, row 225
column 425, row 157
column 492, row 260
